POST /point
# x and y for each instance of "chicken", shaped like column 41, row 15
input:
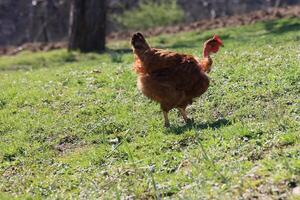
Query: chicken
column 170, row 78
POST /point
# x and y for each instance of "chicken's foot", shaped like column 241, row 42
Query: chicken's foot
column 184, row 115
column 167, row 123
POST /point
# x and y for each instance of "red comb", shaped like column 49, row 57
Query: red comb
column 218, row 39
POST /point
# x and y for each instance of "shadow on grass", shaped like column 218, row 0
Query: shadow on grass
column 181, row 44
column 200, row 126
column 282, row 26
column 116, row 55
column 120, row 51
column 198, row 41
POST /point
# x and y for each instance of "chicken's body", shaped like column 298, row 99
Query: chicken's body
column 174, row 82
column 170, row 78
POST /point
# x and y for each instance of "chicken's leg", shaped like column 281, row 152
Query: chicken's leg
column 184, row 115
column 167, row 123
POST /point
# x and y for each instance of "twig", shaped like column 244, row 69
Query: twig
column 211, row 162
column 154, row 185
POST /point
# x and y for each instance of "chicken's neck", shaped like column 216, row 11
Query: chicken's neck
column 206, row 60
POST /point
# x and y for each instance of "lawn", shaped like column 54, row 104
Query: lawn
column 74, row 126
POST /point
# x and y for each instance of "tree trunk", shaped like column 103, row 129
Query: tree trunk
column 87, row 25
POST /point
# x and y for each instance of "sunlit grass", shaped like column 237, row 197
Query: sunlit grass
column 74, row 125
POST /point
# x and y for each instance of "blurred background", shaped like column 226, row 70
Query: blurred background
column 25, row 21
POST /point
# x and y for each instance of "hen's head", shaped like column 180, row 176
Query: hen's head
column 213, row 44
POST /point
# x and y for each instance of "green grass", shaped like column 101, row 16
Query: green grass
column 74, row 125
column 150, row 14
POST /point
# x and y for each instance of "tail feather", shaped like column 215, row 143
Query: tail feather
column 139, row 43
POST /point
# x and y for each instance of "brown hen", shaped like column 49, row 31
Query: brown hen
column 170, row 78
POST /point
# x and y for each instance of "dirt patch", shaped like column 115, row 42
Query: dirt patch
column 33, row 47
column 67, row 143
column 236, row 20
column 269, row 190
